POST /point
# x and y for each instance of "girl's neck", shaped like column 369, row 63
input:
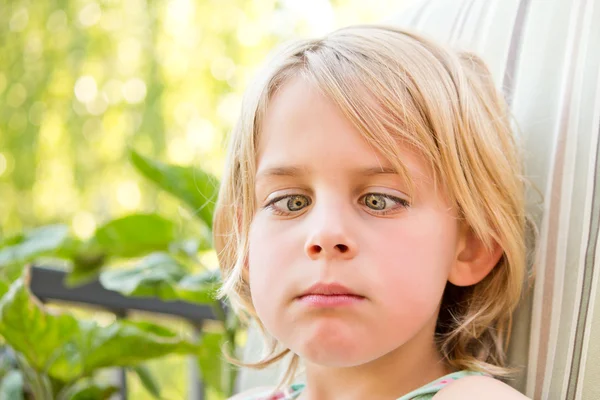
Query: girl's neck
column 389, row 377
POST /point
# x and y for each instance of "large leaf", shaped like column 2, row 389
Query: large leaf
column 148, row 380
column 200, row 288
column 67, row 348
column 155, row 275
column 11, row 387
column 135, row 235
column 190, row 247
column 30, row 330
column 89, row 389
column 7, row 360
column 211, row 362
column 120, row 344
column 160, row 275
column 4, row 286
column 87, row 258
column 197, row 188
column 131, row 236
column 78, row 277
column 86, row 255
column 37, row 383
column 33, row 243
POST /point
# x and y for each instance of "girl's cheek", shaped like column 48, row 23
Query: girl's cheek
column 268, row 255
column 411, row 273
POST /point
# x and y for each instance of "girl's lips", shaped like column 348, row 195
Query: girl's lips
column 330, row 300
column 329, row 289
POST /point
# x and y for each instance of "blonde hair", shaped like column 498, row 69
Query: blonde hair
column 395, row 87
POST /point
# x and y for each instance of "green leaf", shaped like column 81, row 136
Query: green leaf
column 7, row 360
column 88, row 389
column 160, row 275
column 200, row 288
column 66, row 348
column 11, row 240
column 79, row 277
column 28, row 329
column 33, row 243
column 135, row 235
column 191, row 247
column 201, row 279
column 37, row 383
column 197, row 188
column 71, row 248
column 131, row 236
column 148, row 380
column 12, row 272
column 120, row 344
column 11, row 387
column 4, row 286
column 154, row 276
column 152, row 328
column 87, row 259
column 211, row 362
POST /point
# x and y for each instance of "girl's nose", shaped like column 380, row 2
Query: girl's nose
column 330, row 238
column 340, row 250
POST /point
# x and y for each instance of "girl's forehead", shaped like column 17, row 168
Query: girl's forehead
column 303, row 129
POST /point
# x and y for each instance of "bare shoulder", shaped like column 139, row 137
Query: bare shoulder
column 247, row 394
column 479, row 387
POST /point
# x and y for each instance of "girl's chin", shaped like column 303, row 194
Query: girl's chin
column 331, row 359
column 337, row 354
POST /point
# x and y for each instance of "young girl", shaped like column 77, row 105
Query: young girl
column 371, row 219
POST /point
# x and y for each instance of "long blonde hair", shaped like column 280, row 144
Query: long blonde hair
column 396, row 86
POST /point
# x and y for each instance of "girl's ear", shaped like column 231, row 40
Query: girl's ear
column 473, row 261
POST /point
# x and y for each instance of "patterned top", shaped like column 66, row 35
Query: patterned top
column 423, row 393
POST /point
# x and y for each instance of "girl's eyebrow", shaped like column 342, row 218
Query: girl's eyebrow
column 296, row 171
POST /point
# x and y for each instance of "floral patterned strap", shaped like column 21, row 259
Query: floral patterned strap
column 428, row 391
column 288, row 393
column 423, row 393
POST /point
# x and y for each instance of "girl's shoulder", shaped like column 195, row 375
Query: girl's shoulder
column 461, row 385
column 477, row 387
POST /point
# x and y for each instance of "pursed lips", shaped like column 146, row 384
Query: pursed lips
column 329, row 295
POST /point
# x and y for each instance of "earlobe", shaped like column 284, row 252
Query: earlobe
column 473, row 260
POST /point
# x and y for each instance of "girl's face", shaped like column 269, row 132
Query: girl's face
column 327, row 214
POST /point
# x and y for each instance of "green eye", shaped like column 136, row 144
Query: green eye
column 296, row 203
column 377, row 201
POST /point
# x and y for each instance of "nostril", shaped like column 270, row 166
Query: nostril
column 317, row 249
column 343, row 248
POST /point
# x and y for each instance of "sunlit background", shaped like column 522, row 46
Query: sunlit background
column 81, row 81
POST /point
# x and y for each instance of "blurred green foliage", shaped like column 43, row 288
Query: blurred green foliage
column 65, row 364
column 81, row 80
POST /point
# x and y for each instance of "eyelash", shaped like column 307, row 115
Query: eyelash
column 403, row 204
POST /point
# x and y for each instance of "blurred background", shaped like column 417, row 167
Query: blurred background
column 82, row 81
